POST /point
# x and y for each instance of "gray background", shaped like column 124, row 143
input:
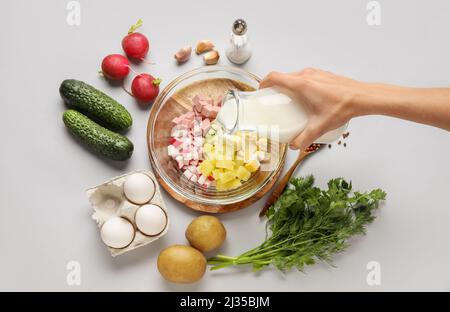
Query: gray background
column 45, row 216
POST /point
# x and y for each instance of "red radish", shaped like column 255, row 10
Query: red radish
column 135, row 44
column 145, row 87
column 115, row 67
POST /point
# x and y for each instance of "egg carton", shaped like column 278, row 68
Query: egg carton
column 109, row 201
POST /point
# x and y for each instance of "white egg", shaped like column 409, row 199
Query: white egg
column 151, row 220
column 139, row 188
column 117, row 232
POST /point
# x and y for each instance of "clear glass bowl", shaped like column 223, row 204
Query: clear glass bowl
column 175, row 100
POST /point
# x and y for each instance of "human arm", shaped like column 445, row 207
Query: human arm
column 331, row 101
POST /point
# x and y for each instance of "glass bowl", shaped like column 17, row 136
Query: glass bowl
column 174, row 100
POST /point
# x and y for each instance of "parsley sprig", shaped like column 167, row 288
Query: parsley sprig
column 308, row 224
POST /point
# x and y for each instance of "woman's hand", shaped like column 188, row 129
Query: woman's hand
column 326, row 98
column 331, row 101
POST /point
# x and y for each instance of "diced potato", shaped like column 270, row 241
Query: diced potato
column 226, row 164
column 220, row 186
column 206, row 167
column 235, row 183
column 243, row 173
column 227, row 176
column 239, row 162
column 208, row 147
column 216, row 173
column 243, row 156
column 262, row 144
column 252, row 166
column 209, row 152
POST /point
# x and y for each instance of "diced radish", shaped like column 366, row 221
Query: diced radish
column 195, row 155
column 201, row 179
column 187, row 174
column 187, row 156
column 178, row 133
column 192, row 169
column 194, row 178
column 208, row 183
column 172, row 151
column 177, row 143
column 198, row 141
column 198, row 130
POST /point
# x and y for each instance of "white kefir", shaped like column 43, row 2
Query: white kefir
column 268, row 109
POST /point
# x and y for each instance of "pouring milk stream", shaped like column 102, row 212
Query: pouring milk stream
column 270, row 109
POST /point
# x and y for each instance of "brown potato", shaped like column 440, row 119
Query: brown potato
column 206, row 233
column 181, row 264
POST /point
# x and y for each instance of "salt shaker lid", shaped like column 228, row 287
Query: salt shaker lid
column 239, row 27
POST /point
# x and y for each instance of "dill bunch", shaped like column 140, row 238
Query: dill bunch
column 308, row 224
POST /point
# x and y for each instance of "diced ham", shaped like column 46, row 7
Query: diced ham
column 177, row 120
column 210, row 111
column 205, row 126
column 187, row 138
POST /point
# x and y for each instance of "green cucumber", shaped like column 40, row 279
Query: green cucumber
column 96, row 104
column 103, row 141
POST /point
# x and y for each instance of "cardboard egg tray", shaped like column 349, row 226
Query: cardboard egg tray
column 108, row 201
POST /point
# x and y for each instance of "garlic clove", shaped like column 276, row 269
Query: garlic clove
column 204, row 46
column 183, row 55
column 211, row 58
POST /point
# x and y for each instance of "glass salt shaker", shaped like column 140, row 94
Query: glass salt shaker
column 239, row 50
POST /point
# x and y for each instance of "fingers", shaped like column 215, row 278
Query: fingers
column 276, row 79
column 306, row 138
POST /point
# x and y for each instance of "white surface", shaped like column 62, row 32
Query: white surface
column 45, row 218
